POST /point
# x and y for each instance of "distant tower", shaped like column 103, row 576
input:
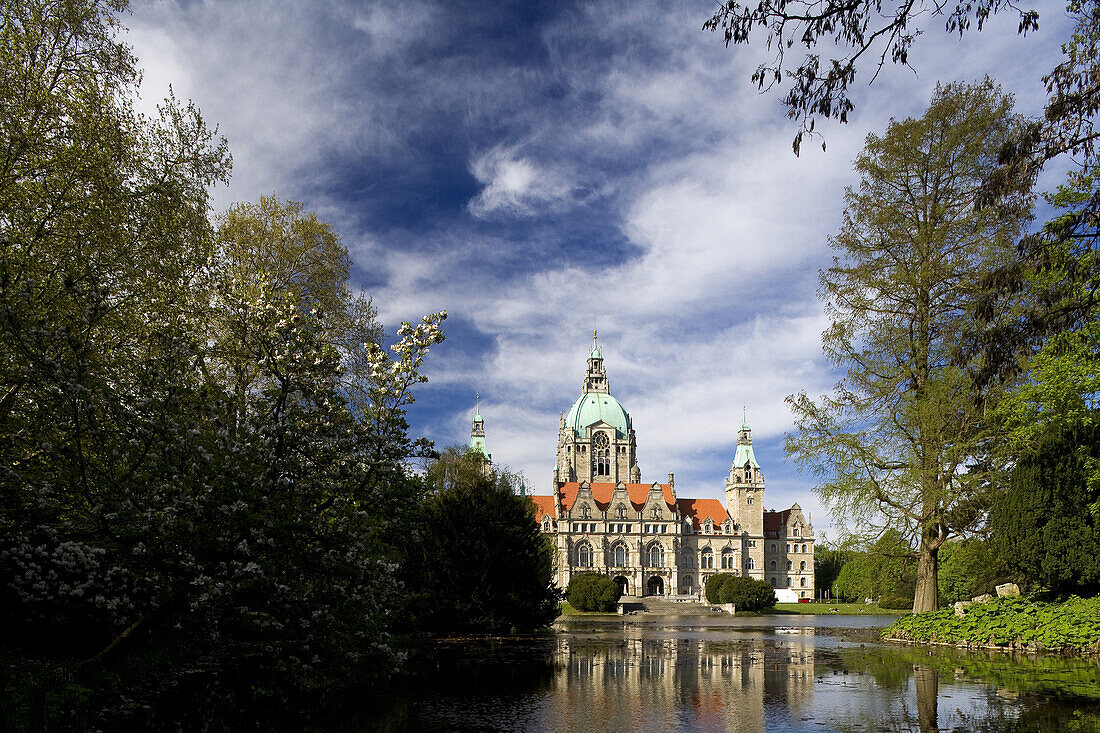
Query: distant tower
column 477, row 433
column 745, row 485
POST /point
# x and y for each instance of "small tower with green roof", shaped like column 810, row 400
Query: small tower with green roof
column 745, row 484
column 477, row 432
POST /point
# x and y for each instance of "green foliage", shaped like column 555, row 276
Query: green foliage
column 746, row 594
column 827, row 564
column 968, row 568
column 1045, row 528
column 1018, row 621
column 887, row 569
column 901, row 441
column 896, row 603
column 714, row 582
column 593, row 592
column 480, row 562
column 189, row 455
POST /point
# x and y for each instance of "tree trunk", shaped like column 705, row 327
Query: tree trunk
column 926, row 597
column 928, row 687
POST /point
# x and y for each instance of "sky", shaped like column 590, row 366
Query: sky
column 543, row 169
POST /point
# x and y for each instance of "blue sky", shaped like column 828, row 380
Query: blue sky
column 543, row 169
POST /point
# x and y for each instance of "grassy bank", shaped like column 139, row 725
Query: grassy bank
column 567, row 610
column 822, row 609
column 1008, row 623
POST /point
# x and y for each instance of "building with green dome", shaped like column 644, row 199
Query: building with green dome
column 602, row 517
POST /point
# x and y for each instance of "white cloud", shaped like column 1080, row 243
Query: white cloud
column 514, row 184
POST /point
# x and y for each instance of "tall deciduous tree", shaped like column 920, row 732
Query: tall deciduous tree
column 897, row 443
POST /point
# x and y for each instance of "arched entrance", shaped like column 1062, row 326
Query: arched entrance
column 624, row 584
column 655, row 586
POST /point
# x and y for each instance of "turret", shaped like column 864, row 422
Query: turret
column 477, row 433
column 745, row 484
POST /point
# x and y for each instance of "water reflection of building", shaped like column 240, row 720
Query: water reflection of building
column 652, row 542
column 637, row 683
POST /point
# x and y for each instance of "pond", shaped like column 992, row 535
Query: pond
column 769, row 673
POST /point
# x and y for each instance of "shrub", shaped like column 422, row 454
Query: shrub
column 593, row 592
column 714, row 582
column 896, row 603
column 745, row 593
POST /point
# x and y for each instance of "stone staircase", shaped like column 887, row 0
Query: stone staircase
column 663, row 607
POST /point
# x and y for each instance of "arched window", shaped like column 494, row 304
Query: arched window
column 619, row 555
column 773, row 547
column 803, row 548
column 656, row 555
column 773, row 582
column 796, row 531
column 802, row 565
column 727, row 559
column 706, row 559
column 789, row 581
column 789, row 565
column 546, row 524
column 687, row 560
column 750, row 564
column 584, row 555
column 749, row 500
column 803, row 582
column 773, row 564
column 789, row 548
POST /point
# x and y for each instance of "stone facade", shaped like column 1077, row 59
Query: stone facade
column 602, row 517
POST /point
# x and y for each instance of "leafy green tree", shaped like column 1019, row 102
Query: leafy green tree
column 827, row 564
column 479, row 562
column 885, row 569
column 967, row 568
column 141, row 494
column 1046, row 528
column 900, row 442
column 593, row 592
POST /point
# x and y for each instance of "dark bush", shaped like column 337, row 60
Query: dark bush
column 593, row 592
column 896, row 603
column 745, row 593
column 714, row 583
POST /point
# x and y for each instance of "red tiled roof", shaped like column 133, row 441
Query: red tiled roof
column 543, row 505
column 700, row 509
column 774, row 521
column 602, row 493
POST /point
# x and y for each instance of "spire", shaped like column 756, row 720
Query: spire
column 745, row 452
column 594, row 352
column 595, row 380
column 477, row 431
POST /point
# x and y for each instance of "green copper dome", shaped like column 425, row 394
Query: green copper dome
column 595, row 406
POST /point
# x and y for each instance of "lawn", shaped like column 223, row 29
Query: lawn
column 827, row 608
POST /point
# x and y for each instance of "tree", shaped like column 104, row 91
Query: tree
column 864, row 33
column 142, row 495
column 968, row 568
column 900, row 442
column 827, row 564
column 1046, row 529
column 885, row 569
column 593, row 592
column 480, row 562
